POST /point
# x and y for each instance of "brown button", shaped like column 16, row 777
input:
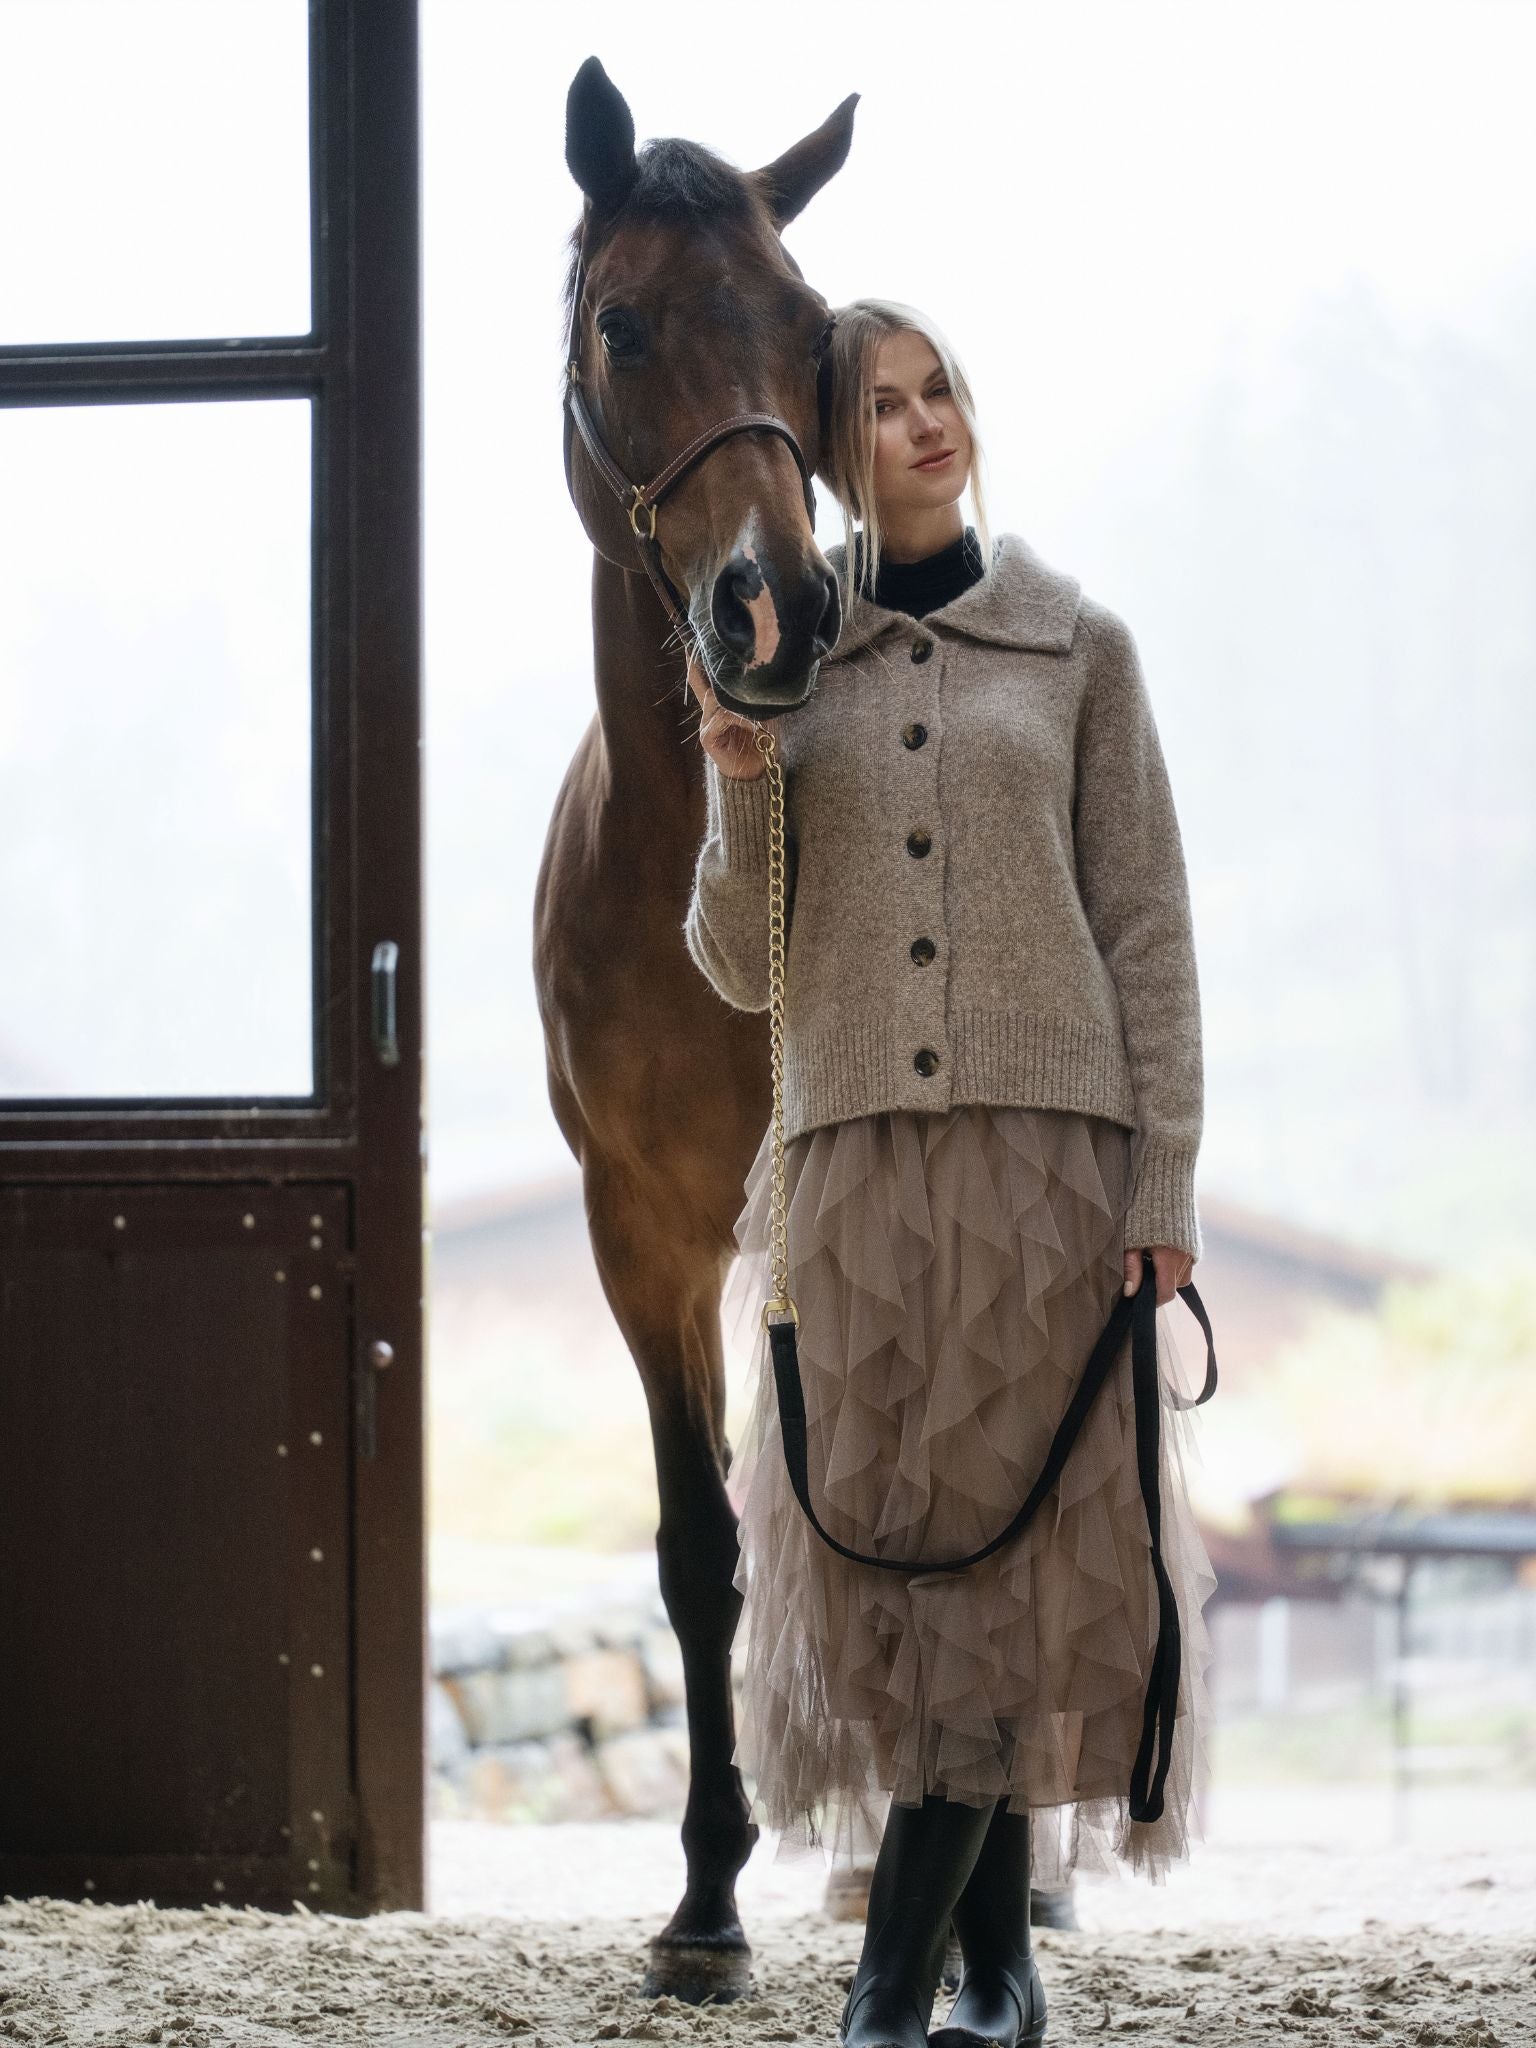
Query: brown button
column 922, row 951
column 914, row 734
column 918, row 844
column 926, row 1060
column 921, row 649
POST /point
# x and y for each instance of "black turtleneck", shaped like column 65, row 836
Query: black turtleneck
column 920, row 587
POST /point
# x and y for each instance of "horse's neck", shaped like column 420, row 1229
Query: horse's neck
column 646, row 712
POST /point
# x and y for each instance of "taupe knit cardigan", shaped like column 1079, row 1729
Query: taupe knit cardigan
column 986, row 883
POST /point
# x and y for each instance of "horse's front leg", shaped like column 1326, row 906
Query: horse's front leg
column 702, row 1952
column 670, row 1317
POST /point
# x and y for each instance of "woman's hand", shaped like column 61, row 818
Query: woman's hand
column 727, row 738
column 1172, row 1267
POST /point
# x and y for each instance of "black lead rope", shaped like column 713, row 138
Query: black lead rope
column 1138, row 1313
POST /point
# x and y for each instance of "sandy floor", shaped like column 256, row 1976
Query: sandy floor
column 1406, row 1948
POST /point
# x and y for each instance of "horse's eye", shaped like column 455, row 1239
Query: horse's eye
column 823, row 341
column 620, row 336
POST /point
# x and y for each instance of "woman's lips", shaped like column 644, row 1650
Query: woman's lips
column 935, row 461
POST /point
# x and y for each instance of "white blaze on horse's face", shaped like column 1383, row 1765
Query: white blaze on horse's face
column 765, row 619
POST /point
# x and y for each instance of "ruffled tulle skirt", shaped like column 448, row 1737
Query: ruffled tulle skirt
column 952, row 1270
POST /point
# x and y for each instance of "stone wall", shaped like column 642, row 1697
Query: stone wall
column 570, row 1709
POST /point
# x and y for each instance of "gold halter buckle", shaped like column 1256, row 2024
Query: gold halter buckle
column 638, row 504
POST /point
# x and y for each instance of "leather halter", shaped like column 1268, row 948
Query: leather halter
column 640, row 500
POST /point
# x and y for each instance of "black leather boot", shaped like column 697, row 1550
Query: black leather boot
column 1056, row 1909
column 926, row 1855
column 1001, row 1999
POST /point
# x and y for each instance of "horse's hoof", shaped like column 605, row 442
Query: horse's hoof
column 698, row 1973
column 846, row 1896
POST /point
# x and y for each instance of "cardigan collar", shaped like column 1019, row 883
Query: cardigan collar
column 1024, row 603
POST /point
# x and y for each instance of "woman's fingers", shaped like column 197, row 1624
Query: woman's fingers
column 721, row 732
column 696, row 680
column 1172, row 1267
column 719, row 723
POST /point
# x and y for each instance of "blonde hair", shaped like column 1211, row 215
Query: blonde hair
column 848, row 451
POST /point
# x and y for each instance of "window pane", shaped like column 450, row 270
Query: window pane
column 155, row 773
column 155, row 163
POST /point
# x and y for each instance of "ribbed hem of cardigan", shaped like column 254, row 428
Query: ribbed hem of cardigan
column 1162, row 1207
column 1040, row 1057
column 738, row 808
column 1032, row 1060
column 833, row 1075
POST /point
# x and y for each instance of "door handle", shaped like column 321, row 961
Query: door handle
column 386, row 1040
column 378, row 1358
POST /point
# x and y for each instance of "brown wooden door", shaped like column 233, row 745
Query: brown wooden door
column 212, row 1564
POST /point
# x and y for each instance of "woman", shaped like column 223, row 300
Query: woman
column 993, row 1102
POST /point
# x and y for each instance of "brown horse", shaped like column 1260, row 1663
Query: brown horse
column 687, row 311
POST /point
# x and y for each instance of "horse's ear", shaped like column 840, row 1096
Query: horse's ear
column 792, row 180
column 599, row 137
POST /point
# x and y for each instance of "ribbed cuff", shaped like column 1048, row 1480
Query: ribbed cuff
column 738, row 811
column 1162, row 1208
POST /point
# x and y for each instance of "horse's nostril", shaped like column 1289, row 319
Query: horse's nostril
column 729, row 608
column 756, row 628
column 744, row 585
column 830, row 624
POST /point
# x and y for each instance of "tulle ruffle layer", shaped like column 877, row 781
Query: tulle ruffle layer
column 951, row 1270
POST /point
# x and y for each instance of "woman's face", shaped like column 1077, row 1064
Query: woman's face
column 916, row 418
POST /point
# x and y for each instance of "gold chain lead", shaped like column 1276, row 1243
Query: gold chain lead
column 778, row 1233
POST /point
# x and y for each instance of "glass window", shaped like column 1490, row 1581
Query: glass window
column 155, row 163
column 155, row 753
